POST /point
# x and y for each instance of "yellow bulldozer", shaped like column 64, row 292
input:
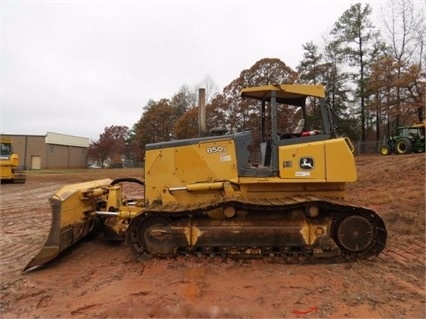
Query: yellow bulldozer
column 9, row 163
column 206, row 195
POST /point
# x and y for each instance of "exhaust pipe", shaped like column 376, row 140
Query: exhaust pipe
column 202, row 112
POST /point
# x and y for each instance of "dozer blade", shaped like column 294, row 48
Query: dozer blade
column 73, row 217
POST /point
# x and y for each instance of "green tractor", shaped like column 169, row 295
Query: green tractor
column 407, row 139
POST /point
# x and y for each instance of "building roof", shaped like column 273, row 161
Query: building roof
column 59, row 139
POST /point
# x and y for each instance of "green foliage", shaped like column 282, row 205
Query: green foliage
column 317, row 67
column 310, row 68
column 352, row 39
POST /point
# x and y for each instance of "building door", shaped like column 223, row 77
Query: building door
column 35, row 162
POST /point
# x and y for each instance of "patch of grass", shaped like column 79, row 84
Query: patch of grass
column 56, row 171
column 406, row 223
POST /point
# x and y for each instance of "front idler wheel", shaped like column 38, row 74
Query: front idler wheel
column 355, row 233
column 137, row 234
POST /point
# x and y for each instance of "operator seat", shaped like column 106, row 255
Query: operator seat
column 300, row 126
column 297, row 131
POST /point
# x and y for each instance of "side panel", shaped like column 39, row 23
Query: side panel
column 340, row 161
column 6, row 171
column 330, row 160
column 172, row 167
column 302, row 161
column 206, row 161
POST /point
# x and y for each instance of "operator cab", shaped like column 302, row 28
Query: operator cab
column 5, row 150
column 271, row 139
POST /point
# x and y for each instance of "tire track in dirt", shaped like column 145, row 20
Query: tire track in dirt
column 25, row 223
column 402, row 273
column 412, row 253
column 25, row 213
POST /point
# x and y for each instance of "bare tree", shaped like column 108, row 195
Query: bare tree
column 212, row 89
column 405, row 31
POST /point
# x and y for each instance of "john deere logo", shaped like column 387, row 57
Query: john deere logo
column 306, row 163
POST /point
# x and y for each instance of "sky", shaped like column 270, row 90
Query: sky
column 76, row 67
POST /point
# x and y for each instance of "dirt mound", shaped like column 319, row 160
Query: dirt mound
column 98, row 278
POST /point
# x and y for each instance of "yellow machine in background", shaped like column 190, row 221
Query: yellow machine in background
column 9, row 163
column 207, row 196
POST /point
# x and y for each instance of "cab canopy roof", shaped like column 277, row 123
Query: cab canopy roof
column 293, row 94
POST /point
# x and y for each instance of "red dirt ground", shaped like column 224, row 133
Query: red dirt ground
column 99, row 279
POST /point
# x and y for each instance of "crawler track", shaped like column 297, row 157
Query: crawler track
column 269, row 227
